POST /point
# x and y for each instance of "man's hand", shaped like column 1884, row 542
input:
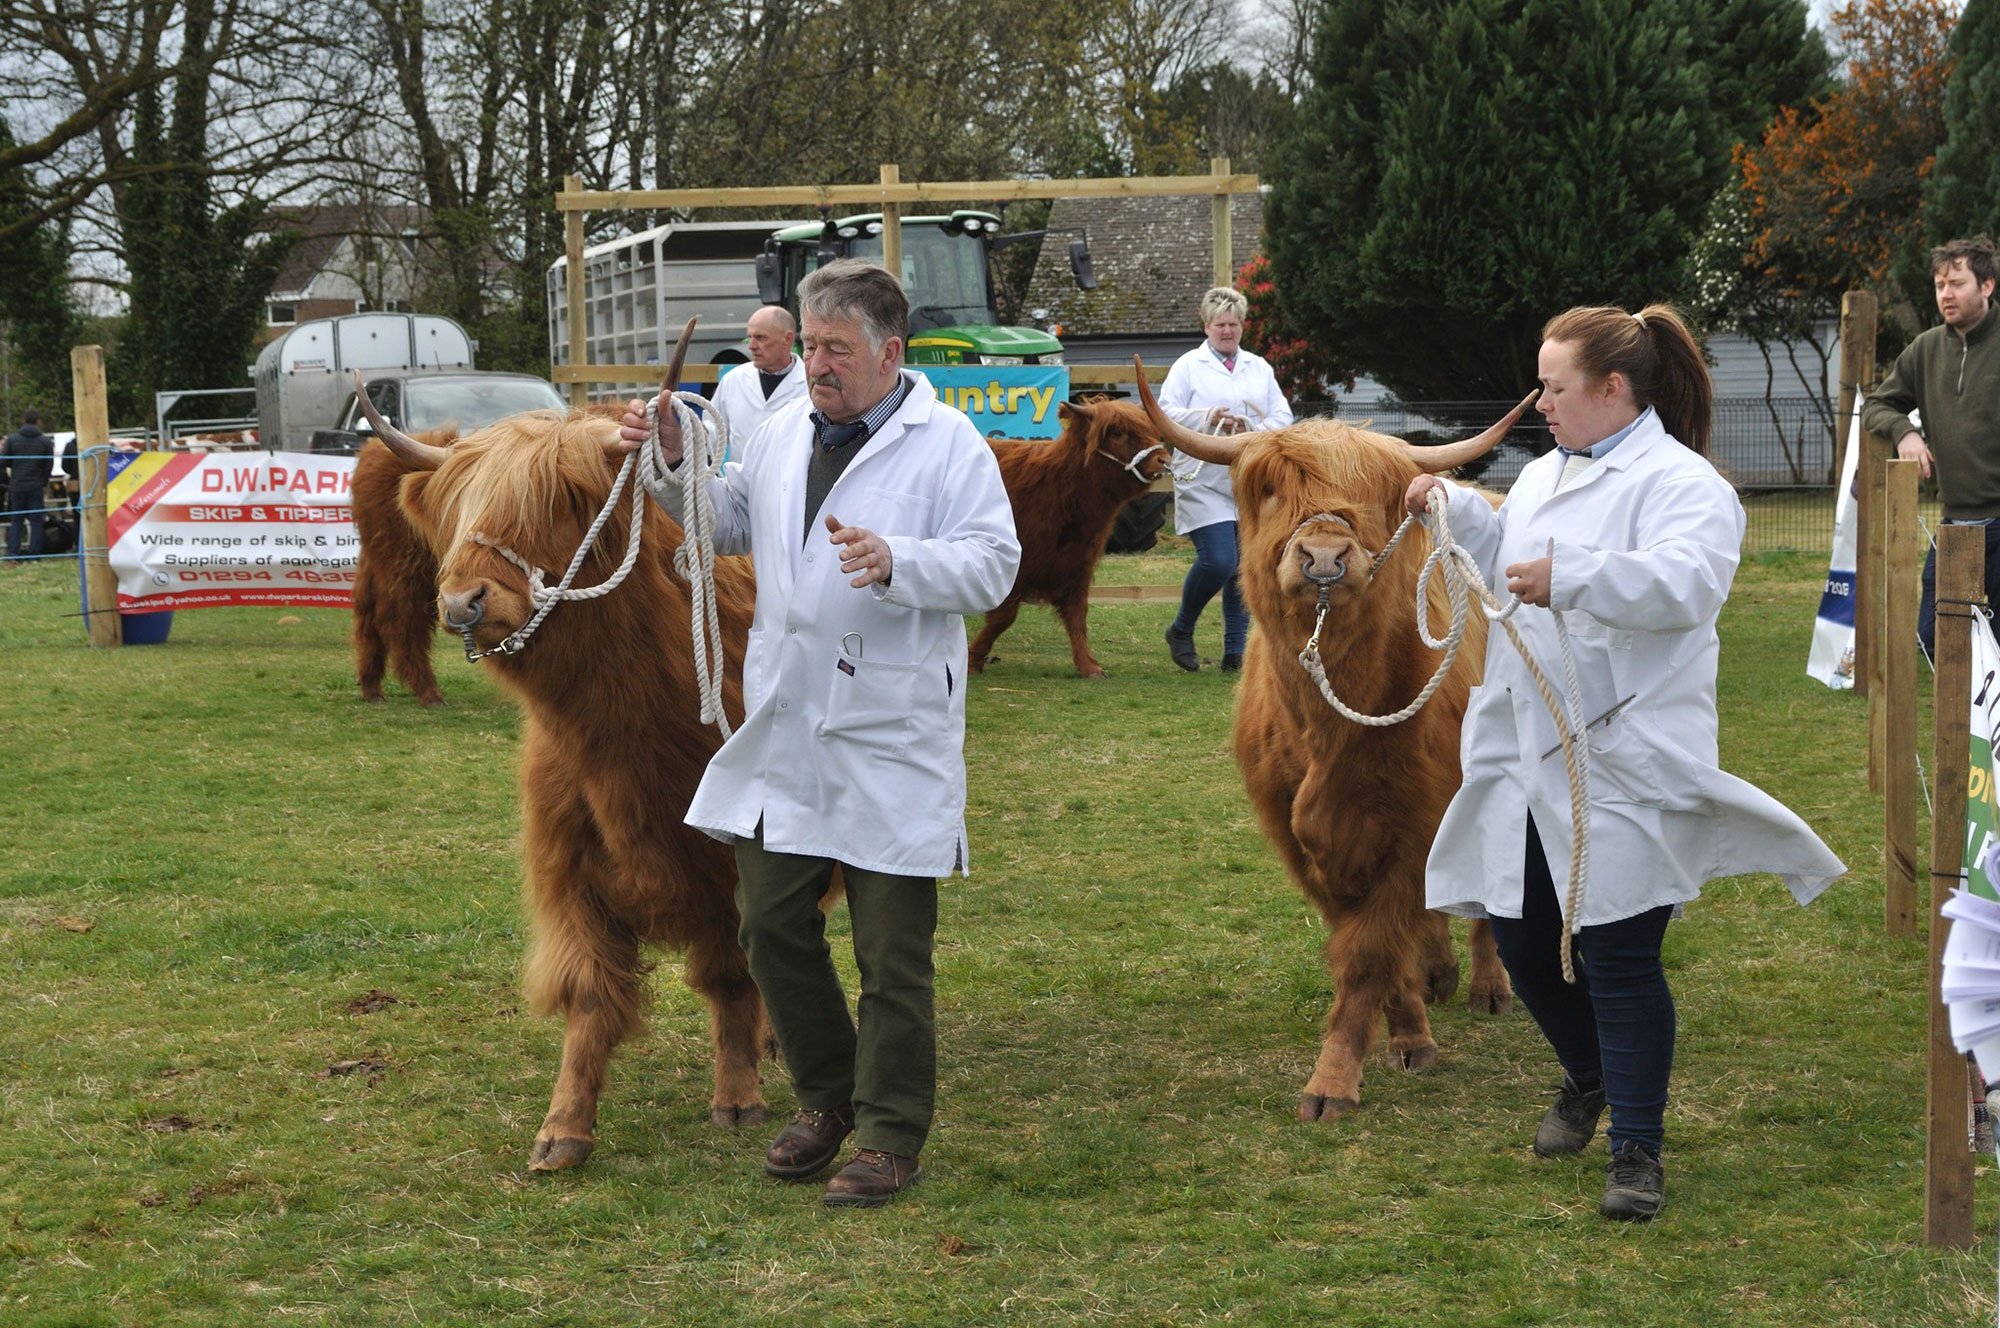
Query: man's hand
column 864, row 552
column 1912, row 447
column 632, row 429
column 1418, row 499
column 1530, row 580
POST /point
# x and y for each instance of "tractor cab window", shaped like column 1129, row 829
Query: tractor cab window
column 943, row 273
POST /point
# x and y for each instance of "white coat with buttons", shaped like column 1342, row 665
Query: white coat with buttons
column 1195, row 385
column 852, row 745
column 1647, row 541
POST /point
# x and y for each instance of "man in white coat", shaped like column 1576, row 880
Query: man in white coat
column 752, row 393
column 877, row 520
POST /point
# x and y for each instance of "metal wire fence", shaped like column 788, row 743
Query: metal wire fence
column 1778, row 452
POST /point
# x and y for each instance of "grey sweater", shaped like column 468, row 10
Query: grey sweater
column 1955, row 382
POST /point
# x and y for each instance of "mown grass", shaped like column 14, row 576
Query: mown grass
column 217, row 852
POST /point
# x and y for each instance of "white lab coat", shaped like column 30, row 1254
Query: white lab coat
column 852, row 745
column 1646, row 545
column 740, row 397
column 1196, row 385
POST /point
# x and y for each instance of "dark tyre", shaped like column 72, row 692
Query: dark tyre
column 59, row 533
column 1139, row 522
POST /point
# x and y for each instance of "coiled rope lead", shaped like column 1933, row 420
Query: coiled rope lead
column 1463, row 579
column 705, row 441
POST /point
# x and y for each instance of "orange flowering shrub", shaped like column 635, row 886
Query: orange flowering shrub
column 1303, row 373
column 1835, row 191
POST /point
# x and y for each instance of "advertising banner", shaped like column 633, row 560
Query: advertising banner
column 1832, row 657
column 1004, row 400
column 196, row 531
column 1982, row 846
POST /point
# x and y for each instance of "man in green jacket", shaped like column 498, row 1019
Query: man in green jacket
column 1950, row 376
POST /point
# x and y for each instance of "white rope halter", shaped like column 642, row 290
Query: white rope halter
column 1463, row 579
column 705, row 444
column 1133, row 466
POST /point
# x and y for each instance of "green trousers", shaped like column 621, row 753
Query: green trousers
column 888, row 1066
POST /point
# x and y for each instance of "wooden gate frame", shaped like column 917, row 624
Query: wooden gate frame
column 889, row 195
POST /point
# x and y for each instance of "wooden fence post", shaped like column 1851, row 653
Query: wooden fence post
column 1897, row 701
column 93, row 436
column 892, row 224
column 1225, row 270
column 1961, row 578
column 1870, row 575
column 579, row 350
column 1857, row 378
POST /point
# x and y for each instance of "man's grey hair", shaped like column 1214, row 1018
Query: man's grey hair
column 856, row 288
column 1219, row 300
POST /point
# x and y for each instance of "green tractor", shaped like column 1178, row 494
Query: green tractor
column 947, row 271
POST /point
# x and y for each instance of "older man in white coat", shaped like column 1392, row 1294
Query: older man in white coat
column 752, row 393
column 878, row 520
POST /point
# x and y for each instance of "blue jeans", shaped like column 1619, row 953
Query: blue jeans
column 1215, row 569
column 1615, row 1025
column 24, row 510
column 1927, row 608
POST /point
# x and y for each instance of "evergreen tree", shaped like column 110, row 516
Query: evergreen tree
column 1962, row 196
column 38, row 320
column 200, row 271
column 1463, row 171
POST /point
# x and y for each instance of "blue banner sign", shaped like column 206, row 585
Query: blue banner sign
column 1007, row 400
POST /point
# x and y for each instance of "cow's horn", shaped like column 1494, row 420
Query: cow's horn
column 671, row 382
column 1450, row 456
column 418, row 456
column 1201, row 446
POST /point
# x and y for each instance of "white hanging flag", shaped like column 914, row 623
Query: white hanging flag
column 1832, row 657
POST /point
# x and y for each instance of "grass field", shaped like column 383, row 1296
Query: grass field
column 263, row 1060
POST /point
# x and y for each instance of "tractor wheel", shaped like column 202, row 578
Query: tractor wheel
column 1139, row 522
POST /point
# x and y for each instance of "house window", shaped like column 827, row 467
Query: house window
column 283, row 315
column 396, row 306
column 409, row 239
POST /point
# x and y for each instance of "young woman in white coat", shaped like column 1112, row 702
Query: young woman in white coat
column 1628, row 534
column 1218, row 387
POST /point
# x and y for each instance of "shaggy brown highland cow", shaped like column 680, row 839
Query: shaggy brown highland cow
column 1066, row 495
column 395, row 578
column 612, row 747
column 1351, row 808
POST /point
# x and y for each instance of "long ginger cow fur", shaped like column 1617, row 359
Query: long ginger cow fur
column 1351, row 809
column 613, row 747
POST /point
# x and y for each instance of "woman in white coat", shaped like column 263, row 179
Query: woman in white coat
column 1218, row 387
column 1628, row 534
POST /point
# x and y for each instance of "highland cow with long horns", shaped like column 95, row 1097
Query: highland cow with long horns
column 1350, row 808
column 612, row 743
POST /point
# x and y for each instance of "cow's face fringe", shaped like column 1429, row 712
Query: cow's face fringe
column 1317, row 468
column 532, row 483
column 1120, row 431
